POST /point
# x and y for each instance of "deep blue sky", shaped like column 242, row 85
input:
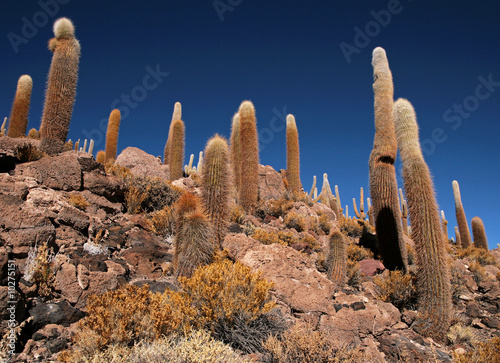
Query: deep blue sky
column 286, row 57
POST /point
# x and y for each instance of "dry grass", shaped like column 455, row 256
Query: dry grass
column 358, row 253
column 39, row 269
column 162, row 222
column 350, row 227
column 478, row 255
column 27, row 152
column 398, row 289
column 488, row 351
column 353, row 274
column 295, row 221
column 78, row 201
column 460, row 333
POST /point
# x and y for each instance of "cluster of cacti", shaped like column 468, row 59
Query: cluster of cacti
column 361, row 215
column 112, row 136
column 461, row 219
column 18, row 121
column 292, row 156
column 216, row 185
column 383, row 184
column 433, row 274
column 194, row 238
column 479, row 234
column 404, row 212
column 249, row 154
column 188, row 169
column 327, row 198
column 336, row 262
column 61, row 87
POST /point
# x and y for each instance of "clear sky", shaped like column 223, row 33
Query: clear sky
column 308, row 58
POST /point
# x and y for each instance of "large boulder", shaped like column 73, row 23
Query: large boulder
column 9, row 151
column 142, row 164
column 271, row 183
column 297, row 282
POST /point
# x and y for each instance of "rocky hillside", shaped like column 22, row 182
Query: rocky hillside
column 69, row 229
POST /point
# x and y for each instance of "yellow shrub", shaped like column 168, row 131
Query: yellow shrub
column 275, row 208
column 325, row 223
column 488, row 351
column 172, row 312
column 162, row 222
column 236, row 214
column 40, row 269
column 78, row 201
column 398, row 289
column 295, row 221
column 353, row 273
column 479, row 255
column 134, row 198
column 350, row 227
column 358, row 253
column 478, row 271
column 460, row 333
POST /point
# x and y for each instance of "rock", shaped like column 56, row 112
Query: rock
column 8, row 151
column 155, row 286
column 473, row 310
column 60, row 172
column 142, row 164
column 75, row 218
column 492, row 271
column 48, row 199
column 110, row 187
column 18, row 186
column 67, row 283
column 83, row 276
column 270, row 183
column 371, row 267
column 296, row 280
column 60, row 313
column 320, row 208
column 22, row 225
column 491, row 322
column 49, row 331
column 99, row 202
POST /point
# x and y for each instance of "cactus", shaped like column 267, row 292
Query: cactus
column 199, row 167
column 480, row 240
column 77, row 145
column 18, row 123
column 370, row 212
column 336, row 262
column 112, row 136
column 101, row 157
column 444, row 225
column 91, row 146
column 216, row 186
column 235, row 153
column 326, row 197
column 433, row 271
column 61, row 87
column 176, row 115
column 68, row 146
column 33, row 134
column 292, row 156
column 339, row 205
column 84, row 149
column 2, row 128
column 313, row 187
column 361, row 213
column 404, row 212
column 196, row 244
column 177, row 150
column 461, row 219
column 458, row 240
column 249, row 141
column 188, row 169
column 383, row 184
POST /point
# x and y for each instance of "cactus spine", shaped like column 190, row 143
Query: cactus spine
column 176, row 115
column 337, row 258
column 433, row 274
column 216, row 186
column 461, row 219
column 444, row 224
column 177, row 150
column 18, row 123
column 61, row 87
column 249, row 141
column 480, row 240
column 383, row 184
column 235, row 151
column 292, row 155
column 112, row 136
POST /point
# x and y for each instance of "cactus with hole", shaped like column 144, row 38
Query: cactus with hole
column 61, row 87
column 249, row 165
column 216, row 186
column 336, row 262
column 112, row 136
column 433, row 271
column 361, row 215
column 479, row 234
column 463, row 227
column 176, row 115
column 383, row 184
column 177, row 150
column 18, row 121
column 292, row 156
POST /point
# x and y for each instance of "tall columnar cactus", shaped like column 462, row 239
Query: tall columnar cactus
column 336, row 262
column 383, row 184
column 463, row 227
column 176, row 115
column 370, row 211
column 177, row 150
column 404, row 212
column 196, row 244
column 433, row 271
column 112, row 136
column 313, row 187
column 61, row 87
column 480, row 240
column 199, row 167
column 444, row 225
column 91, row 147
column 2, row 128
column 339, row 204
column 101, row 157
column 292, row 155
column 18, row 123
column 235, row 153
column 326, row 197
column 216, row 186
column 187, row 203
column 249, row 141
column 458, row 240
column 361, row 213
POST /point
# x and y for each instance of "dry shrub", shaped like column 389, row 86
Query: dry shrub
column 479, row 255
column 301, row 343
column 295, row 221
column 458, row 285
column 353, row 274
column 275, row 208
column 410, row 251
column 460, row 333
column 147, row 194
column 237, row 214
column 286, row 238
column 350, row 227
column 325, row 223
column 119, row 171
column 172, row 313
column 488, row 351
column 39, row 269
column 478, row 272
column 78, row 201
column 27, row 152
column 398, row 288
column 162, row 222
column 358, row 253
column 134, row 199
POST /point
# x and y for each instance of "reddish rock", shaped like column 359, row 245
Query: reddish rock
column 270, row 183
column 371, row 267
column 75, row 218
column 18, row 186
column 110, row 187
column 142, row 164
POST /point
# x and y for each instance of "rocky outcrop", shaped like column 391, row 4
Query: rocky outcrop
column 271, row 183
column 142, row 164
